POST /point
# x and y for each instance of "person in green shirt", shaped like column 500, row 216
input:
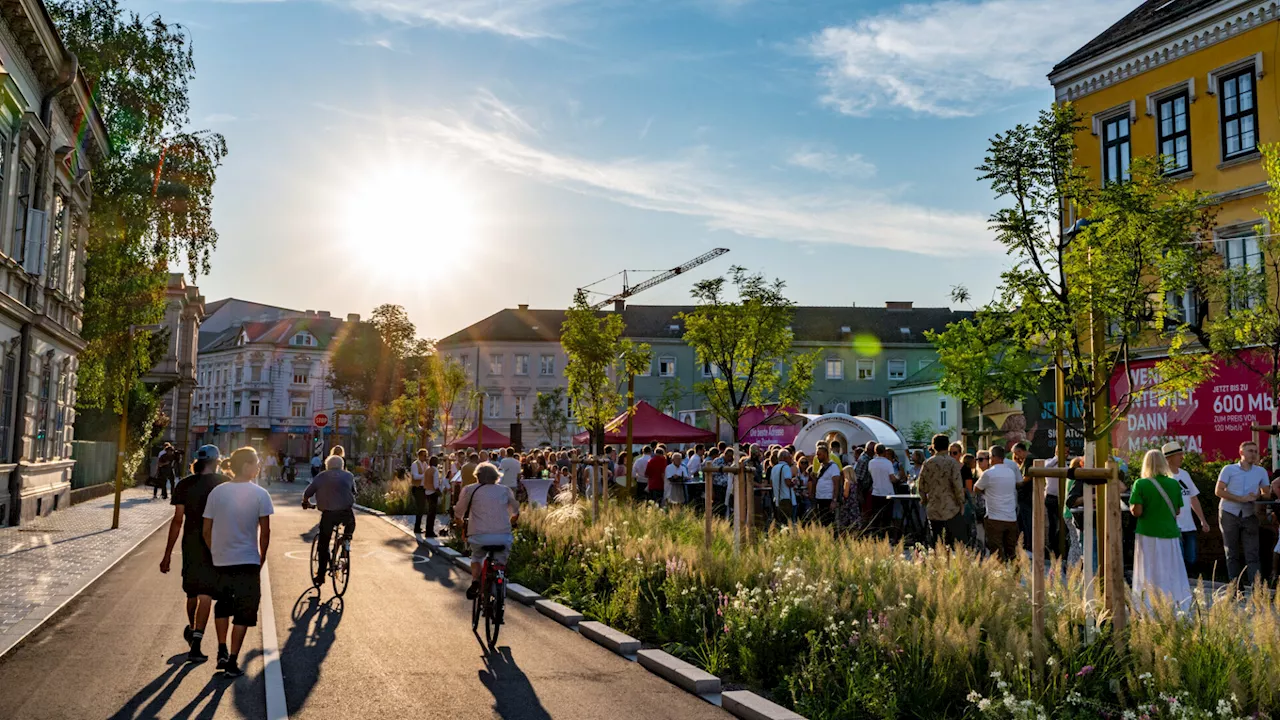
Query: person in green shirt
column 1158, row 568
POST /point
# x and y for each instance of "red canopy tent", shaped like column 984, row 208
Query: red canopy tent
column 492, row 439
column 649, row 425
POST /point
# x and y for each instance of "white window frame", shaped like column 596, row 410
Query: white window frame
column 547, row 366
column 301, row 377
column 495, row 363
column 493, row 406
column 255, row 408
column 303, row 339
column 518, row 406
column 942, row 414
column 522, row 369
column 869, row 366
column 710, row 370
column 667, row 366
column 901, row 374
column 834, row 368
column 298, row 408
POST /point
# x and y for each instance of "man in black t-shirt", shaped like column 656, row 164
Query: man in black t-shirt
column 198, row 576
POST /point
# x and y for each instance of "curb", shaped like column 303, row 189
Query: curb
column 678, row 672
column 6, row 646
column 749, row 706
column 522, row 594
column 562, row 614
column 607, row 637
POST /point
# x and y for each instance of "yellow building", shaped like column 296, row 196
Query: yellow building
column 1191, row 80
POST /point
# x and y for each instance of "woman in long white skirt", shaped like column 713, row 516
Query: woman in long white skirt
column 1158, row 569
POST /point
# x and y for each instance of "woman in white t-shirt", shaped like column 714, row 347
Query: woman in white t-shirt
column 677, row 474
column 825, row 483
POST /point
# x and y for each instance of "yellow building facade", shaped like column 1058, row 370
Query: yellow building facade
column 1194, row 81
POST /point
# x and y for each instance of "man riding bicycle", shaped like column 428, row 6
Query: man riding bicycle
column 486, row 511
column 335, row 493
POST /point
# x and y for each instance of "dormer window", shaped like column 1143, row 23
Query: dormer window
column 845, row 329
column 673, row 328
column 303, row 339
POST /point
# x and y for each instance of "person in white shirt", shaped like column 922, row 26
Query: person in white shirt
column 882, row 472
column 423, row 485
column 999, row 486
column 487, row 512
column 782, row 477
column 237, row 529
column 695, row 461
column 1239, row 485
column 826, row 482
column 677, row 474
column 510, row 468
column 1186, row 520
column 637, row 469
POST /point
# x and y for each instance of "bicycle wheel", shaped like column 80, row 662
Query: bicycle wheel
column 315, row 558
column 493, row 618
column 341, row 570
column 475, row 611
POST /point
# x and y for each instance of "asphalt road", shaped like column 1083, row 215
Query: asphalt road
column 399, row 644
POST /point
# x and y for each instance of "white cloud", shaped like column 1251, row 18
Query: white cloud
column 952, row 58
column 834, row 164
column 383, row 43
column 692, row 186
column 525, row 19
column 219, row 119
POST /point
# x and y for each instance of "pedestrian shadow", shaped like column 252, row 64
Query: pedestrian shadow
column 248, row 698
column 438, row 569
column 315, row 628
column 513, row 695
column 151, row 699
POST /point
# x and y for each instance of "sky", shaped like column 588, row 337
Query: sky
column 458, row 157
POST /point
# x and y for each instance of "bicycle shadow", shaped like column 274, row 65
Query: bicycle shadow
column 314, row 631
column 151, row 699
column 513, row 695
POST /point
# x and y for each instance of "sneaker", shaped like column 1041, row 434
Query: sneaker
column 473, row 591
column 232, row 669
column 186, row 634
column 223, row 658
column 195, row 656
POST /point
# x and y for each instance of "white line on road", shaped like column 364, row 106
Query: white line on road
column 277, row 708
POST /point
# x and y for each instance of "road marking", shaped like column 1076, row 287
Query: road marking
column 277, row 708
column 384, row 555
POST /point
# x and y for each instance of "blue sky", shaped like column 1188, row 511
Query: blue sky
column 461, row 156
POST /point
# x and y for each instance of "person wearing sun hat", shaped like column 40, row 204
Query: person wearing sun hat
column 1173, row 453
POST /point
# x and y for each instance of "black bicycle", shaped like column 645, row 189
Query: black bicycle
column 492, row 598
column 339, row 560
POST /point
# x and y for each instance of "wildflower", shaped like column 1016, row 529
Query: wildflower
column 984, row 704
column 1085, row 671
column 1051, row 661
column 973, row 696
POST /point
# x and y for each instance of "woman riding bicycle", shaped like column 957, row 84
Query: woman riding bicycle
column 486, row 511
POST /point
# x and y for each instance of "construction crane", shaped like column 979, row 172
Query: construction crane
column 619, row 300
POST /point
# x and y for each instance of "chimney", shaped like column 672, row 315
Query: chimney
column 892, row 305
column 353, row 317
column 324, row 314
column 522, row 307
column 619, row 305
column 309, row 313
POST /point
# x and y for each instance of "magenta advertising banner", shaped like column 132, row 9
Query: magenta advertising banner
column 750, row 429
column 1213, row 421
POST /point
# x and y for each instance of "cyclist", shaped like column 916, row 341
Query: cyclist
column 486, row 511
column 335, row 493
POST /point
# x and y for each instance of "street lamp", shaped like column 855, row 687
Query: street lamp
column 124, row 432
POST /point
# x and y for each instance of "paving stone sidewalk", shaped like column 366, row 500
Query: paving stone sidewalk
column 45, row 563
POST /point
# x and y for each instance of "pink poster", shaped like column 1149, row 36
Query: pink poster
column 751, row 429
column 1213, row 421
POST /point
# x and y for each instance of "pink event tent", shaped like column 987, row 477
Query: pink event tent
column 649, row 425
column 492, row 439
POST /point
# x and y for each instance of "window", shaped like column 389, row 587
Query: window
column 6, row 424
column 235, row 409
column 20, row 210
column 73, row 247
column 1240, row 254
column 57, row 240
column 710, row 370
column 897, row 369
column 300, row 377
column 1239, row 114
column 942, row 413
column 1181, row 309
column 495, row 364
column 666, row 366
column 1173, row 132
column 840, row 408
column 522, row 364
column 46, row 410
column 835, row 369
column 298, row 409
column 647, row 370
column 547, row 365
column 466, row 364
column 518, row 403
column 493, row 406
column 1115, row 149
column 303, row 339
column 254, row 408
column 866, row 370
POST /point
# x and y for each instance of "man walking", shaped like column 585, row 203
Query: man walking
column 1239, row 485
column 237, row 529
column 422, row 485
column 199, row 579
column 655, row 471
column 942, row 492
column 335, row 494
column 164, row 471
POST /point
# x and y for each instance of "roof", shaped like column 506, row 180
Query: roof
column 649, row 425
column 227, row 312
column 927, row 376
column 810, row 324
column 277, row 332
column 492, row 439
column 1148, row 17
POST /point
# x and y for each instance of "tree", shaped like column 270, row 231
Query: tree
column 1238, row 310
column 449, row 381
column 153, row 193
column 1092, row 294
column 595, row 346
column 981, row 366
column 549, row 416
column 369, row 358
column 673, row 392
column 920, row 433
column 748, row 344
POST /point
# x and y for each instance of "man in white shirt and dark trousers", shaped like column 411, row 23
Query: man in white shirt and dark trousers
column 881, row 469
column 1239, row 485
column 1186, row 520
column 426, row 500
column 999, row 485
column 237, row 529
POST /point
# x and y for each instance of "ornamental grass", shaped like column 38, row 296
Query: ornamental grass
column 856, row 628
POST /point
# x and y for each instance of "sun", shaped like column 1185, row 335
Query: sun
column 402, row 218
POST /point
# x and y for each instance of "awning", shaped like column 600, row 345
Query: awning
column 492, row 439
column 649, row 425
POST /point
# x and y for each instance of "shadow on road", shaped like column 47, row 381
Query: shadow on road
column 151, row 699
column 513, row 695
column 437, row 570
column 315, row 627
column 248, row 699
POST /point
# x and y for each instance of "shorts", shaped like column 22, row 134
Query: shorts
column 478, row 542
column 198, row 574
column 239, row 590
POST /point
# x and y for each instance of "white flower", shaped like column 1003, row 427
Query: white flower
column 1051, row 661
column 973, row 696
column 984, row 704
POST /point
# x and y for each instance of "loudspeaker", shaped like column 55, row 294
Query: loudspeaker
column 517, row 441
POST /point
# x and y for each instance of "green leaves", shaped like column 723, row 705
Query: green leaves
column 549, row 414
column 594, row 343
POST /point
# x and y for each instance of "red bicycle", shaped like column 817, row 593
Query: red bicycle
column 492, row 598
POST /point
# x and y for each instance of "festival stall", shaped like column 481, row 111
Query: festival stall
column 851, row 430
column 492, row 439
column 649, row 425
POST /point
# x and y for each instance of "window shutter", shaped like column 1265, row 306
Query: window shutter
column 33, row 251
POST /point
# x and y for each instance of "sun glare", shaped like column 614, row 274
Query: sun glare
column 403, row 218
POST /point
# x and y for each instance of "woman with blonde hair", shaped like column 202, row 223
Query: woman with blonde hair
column 337, row 451
column 1157, row 557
